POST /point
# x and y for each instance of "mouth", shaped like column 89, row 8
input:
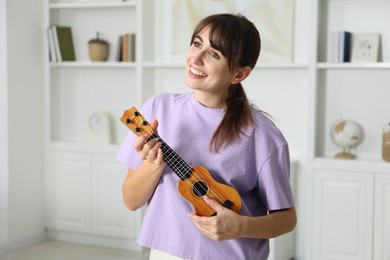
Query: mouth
column 197, row 73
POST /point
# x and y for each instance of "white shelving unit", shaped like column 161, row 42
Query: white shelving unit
column 83, row 180
column 345, row 201
column 354, row 91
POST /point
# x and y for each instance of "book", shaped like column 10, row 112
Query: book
column 124, row 47
column 128, row 47
column 119, row 50
column 52, row 49
column 340, row 46
column 345, row 46
column 333, row 51
column 63, row 42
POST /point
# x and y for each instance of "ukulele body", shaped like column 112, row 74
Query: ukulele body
column 200, row 184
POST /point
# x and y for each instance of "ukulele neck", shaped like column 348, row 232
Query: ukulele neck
column 177, row 164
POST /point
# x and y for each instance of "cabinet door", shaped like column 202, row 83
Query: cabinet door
column 342, row 219
column 68, row 192
column 110, row 215
column 382, row 217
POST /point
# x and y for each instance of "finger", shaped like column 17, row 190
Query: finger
column 139, row 143
column 153, row 152
column 213, row 204
column 154, row 124
column 160, row 156
column 201, row 223
column 146, row 148
column 150, row 145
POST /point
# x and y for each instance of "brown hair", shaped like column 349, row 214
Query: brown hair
column 239, row 41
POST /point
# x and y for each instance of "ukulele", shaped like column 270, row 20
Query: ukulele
column 195, row 182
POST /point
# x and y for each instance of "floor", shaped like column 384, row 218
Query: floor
column 54, row 250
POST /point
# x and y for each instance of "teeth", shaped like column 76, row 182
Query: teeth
column 197, row 72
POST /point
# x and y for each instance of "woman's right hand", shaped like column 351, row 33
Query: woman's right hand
column 140, row 183
column 150, row 151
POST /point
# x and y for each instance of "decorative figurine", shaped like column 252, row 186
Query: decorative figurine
column 98, row 49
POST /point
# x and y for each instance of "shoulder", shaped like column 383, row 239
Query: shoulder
column 165, row 105
column 265, row 129
column 169, row 97
column 166, row 100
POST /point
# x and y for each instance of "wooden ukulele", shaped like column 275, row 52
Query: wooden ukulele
column 194, row 182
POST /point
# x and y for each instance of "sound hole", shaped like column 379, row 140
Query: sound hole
column 200, row 188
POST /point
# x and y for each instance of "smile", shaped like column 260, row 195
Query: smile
column 197, row 72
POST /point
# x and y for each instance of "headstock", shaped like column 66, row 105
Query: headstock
column 133, row 119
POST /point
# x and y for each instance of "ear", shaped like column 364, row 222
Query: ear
column 241, row 74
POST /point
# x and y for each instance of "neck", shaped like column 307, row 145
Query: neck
column 211, row 101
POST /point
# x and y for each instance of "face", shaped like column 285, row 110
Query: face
column 207, row 70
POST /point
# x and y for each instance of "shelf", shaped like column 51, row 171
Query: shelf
column 370, row 165
column 76, row 5
column 84, row 147
column 278, row 66
column 180, row 65
column 373, row 66
column 88, row 64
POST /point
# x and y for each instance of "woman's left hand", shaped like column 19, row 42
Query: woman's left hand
column 223, row 226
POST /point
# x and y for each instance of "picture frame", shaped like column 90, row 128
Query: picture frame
column 365, row 47
column 273, row 18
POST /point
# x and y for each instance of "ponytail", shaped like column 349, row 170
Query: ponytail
column 237, row 119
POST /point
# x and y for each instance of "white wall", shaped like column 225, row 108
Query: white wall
column 4, row 124
column 22, row 86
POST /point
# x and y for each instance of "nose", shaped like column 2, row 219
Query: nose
column 197, row 57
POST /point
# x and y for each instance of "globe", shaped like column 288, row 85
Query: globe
column 346, row 134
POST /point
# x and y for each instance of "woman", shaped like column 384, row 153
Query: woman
column 215, row 127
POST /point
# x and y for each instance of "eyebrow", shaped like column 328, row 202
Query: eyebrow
column 198, row 37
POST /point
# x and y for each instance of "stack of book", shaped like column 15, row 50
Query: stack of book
column 60, row 44
column 127, row 49
column 340, row 46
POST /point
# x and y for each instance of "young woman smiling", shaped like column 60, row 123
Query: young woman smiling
column 216, row 127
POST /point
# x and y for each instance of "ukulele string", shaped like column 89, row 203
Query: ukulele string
column 171, row 159
column 151, row 133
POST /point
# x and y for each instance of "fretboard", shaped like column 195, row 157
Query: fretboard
column 177, row 164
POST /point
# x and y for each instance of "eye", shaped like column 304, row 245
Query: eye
column 215, row 55
column 197, row 44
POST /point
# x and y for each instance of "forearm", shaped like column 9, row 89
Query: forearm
column 275, row 224
column 140, row 184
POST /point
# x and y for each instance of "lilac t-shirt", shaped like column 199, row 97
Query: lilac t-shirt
column 257, row 166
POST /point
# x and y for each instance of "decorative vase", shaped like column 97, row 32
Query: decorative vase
column 98, row 49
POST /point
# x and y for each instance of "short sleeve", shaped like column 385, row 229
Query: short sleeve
column 274, row 180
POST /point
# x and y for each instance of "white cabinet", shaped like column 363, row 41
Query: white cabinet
column 382, row 217
column 351, row 213
column 110, row 216
column 68, row 192
column 343, row 206
column 84, row 196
